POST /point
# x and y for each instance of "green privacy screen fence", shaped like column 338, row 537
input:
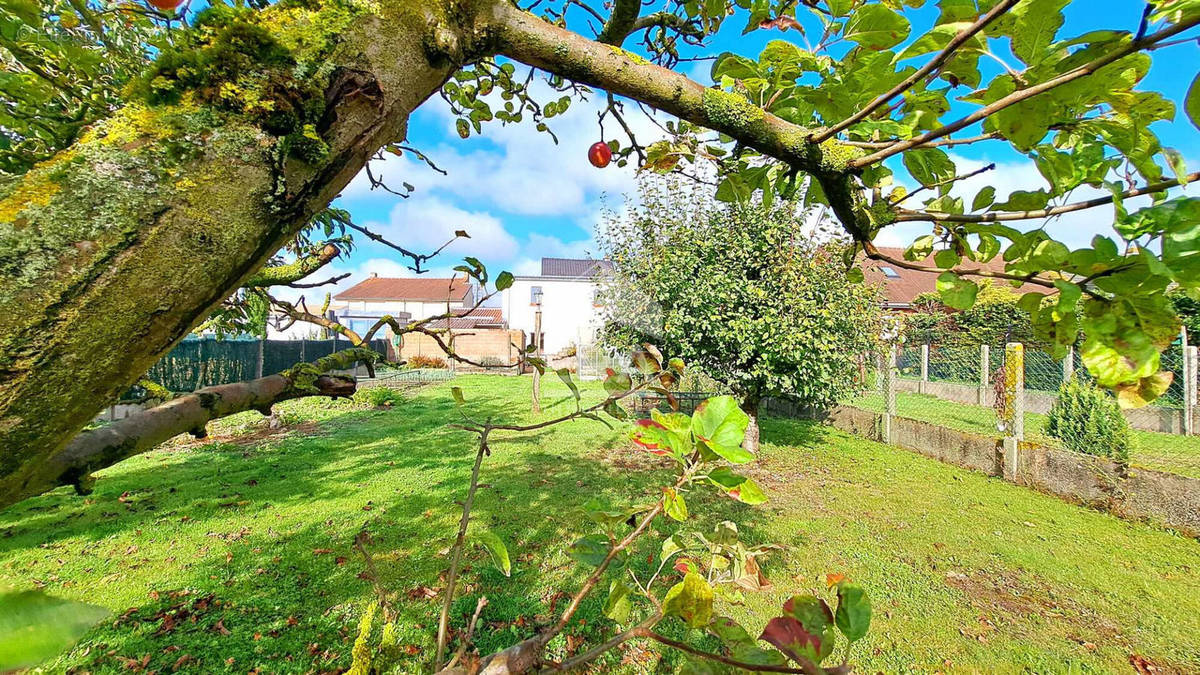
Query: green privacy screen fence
column 203, row 362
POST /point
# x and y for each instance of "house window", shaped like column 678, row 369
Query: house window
column 361, row 326
column 889, row 273
column 535, row 295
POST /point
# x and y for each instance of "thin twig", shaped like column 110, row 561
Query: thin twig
column 466, row 641
column 998, row 216
column 456, row 552
column 948, row 181
column 330, row 280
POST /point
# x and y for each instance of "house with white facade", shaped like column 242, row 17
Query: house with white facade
column 566, row 292
column 361, row 305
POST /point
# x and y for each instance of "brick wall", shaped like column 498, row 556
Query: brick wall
column 475, row 344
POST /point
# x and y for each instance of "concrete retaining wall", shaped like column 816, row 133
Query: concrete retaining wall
column 1149, row 418
column 1095, row 481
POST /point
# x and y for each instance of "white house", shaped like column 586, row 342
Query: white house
column 567, row 291
column 359, row 306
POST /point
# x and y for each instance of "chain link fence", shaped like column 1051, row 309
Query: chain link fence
column 972, row 389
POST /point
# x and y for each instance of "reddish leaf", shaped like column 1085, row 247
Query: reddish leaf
column 782, row 23
column 789, row 636
column 650, row 434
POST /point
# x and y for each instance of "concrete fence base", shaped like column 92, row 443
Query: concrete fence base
column 1133, row 493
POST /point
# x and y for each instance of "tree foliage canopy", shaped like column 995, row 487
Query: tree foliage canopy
column 738, row 292
column 994, row 319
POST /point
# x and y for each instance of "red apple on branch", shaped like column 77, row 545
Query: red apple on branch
column 599, row 154
column 165, row 5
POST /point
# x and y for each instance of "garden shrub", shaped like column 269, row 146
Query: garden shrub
column 379, row 396
column 426, row 362
column 1087, row 419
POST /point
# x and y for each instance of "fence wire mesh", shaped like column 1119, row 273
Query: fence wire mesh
column 964, row 388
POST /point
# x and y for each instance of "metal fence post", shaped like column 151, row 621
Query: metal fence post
column 1069, row 364
column 924, row 366
column 1014, row 405
column 985, row 373
column 1189, row 390
column 889, row 395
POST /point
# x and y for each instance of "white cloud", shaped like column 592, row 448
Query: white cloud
column 422, row 224
column 516, row 169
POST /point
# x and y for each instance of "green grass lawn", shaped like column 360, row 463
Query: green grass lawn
column 247, row 540
column 1171, row 453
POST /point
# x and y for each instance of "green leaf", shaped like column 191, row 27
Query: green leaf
column 920, row 248
column 1191, row 104
column 618, row 606
column 615, row 410
column 1035, row 26
column 1177, row 164
column 1024, row 200
column 758, row 656
column 590, row 550
column 946, row 258
column 458, row 395
column 730, row 632
column 956, row 292
column 1145, row 390
column 496, row 548
column 564, row 374
column 853, row 616
column 721, row 425
column 929, row 166
column 673, row 504
column 876, row 27
column 739, row 487
column 936, row 40
column 984, row 198
column 35, row 627
column 504, row 281
column 616, row 384
column 690, row 600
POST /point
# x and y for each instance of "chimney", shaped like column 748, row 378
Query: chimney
column 374, row 275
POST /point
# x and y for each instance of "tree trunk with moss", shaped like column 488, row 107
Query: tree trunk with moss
column 750, row 406
column 114, row 250
column 119, row 246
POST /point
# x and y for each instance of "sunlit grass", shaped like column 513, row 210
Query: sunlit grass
column 966, row 572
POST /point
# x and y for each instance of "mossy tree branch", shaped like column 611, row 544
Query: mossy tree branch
column 190, row 413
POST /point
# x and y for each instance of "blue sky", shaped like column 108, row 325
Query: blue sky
column 522, row 197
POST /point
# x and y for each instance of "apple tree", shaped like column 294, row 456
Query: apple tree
column 133, row 212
